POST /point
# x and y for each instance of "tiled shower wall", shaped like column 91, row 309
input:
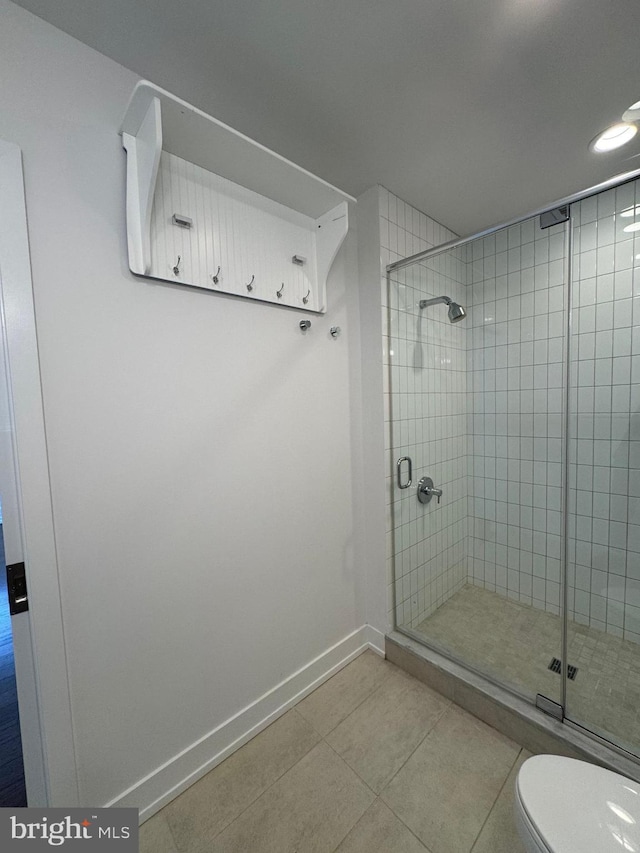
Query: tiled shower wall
column 604, row 588
column 516, row 298
column 427, row 398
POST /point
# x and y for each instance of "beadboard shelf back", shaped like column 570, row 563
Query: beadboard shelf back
column 208, row 207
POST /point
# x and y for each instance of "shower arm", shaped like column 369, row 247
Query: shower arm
column 425, row 303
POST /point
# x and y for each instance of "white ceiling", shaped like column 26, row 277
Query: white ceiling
column 474, row 111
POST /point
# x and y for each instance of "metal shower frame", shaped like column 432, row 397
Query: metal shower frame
column 609, row 184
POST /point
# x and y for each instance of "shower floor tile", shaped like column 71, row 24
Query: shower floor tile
column 515, row 643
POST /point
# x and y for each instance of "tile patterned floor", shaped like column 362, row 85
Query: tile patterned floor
column 373, row 761
column 515, row 643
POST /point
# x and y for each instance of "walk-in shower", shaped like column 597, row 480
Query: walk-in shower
column 527, row 416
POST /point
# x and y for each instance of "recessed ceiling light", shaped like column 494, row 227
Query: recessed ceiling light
column 635, row 226
column 631, row 211
column 613, row 137
column 633, row 113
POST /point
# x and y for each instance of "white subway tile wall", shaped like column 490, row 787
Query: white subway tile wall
column 425, row 358
column 516, row 295
column 604, row 451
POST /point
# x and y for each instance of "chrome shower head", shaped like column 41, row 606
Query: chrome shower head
column 456, row 312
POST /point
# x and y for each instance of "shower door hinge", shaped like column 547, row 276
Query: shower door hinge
column 556, row 216
column 550, row 707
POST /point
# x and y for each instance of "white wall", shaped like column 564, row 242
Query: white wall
column 200, row 446
column 377, row 575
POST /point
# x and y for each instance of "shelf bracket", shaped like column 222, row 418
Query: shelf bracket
column 143, row 160
column 331, row 229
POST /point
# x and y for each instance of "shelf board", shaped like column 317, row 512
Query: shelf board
column 199, row 138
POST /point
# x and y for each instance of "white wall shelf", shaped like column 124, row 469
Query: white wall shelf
column 251, row 210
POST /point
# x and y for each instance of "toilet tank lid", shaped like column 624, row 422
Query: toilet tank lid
column 577, row 807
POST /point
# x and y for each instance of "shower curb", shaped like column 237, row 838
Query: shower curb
column 509, row 714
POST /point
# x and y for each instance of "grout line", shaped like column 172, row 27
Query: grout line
column 258, row 796
column 378, row 795
column 354, row 709
column 173, row 838
column 378, row 799
column 353, row 770
column 294, row 708
column 428, row 849
column 504, row 784
column 447, row 705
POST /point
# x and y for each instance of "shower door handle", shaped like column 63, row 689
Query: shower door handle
column 402, row 459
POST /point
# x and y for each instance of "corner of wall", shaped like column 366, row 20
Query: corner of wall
column 369, row 443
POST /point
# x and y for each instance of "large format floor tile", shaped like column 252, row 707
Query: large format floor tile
column 309, row 810
column 339, row 696
column 199, row 814
column 445, row 791
column 380, row 831
column 378, row 737
column 445, row 779
column 156, row 837
column 499, row 834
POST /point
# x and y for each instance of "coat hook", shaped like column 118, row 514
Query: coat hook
column 176, row 269
column 250, row 285
column 279, row 292
column 216, row 278
column 305, row 299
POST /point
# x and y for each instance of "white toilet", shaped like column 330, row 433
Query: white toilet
column 568, row 806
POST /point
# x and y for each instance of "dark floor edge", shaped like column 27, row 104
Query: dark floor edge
column 514, row 717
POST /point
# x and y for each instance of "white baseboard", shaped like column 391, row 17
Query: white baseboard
column 153, row 792
column 374, row 638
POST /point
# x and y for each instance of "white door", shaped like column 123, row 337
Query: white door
column 38, row 638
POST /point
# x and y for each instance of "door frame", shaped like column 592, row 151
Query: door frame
column 39, row 645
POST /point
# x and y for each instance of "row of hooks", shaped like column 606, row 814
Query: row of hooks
column 216, row 280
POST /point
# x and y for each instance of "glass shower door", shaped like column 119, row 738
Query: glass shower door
column 603, row 687
column 478, row 406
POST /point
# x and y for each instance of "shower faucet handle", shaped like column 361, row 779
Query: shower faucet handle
column 426, row 490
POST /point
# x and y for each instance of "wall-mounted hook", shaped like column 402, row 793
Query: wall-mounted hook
column 176, row 269
column 334, row 331
column 279, row 292
column 216, row 278
column 305, row 324
column 305, row 299
column 182, row 221
column 250, row 285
